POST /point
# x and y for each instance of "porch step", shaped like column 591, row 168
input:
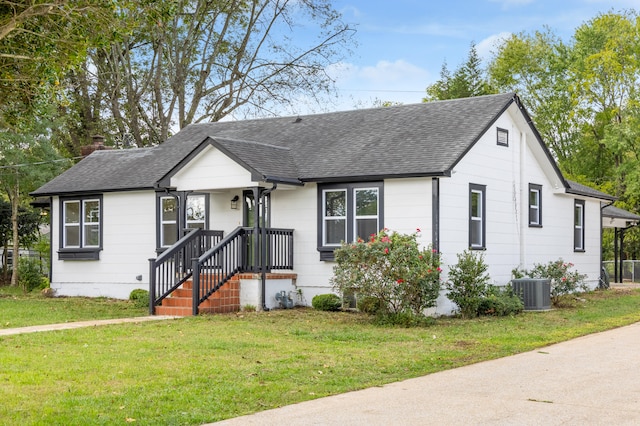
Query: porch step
column 180, row 303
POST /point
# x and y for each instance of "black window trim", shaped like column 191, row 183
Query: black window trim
column 80, row 253
column 535, row 187
column 576, row 248
column 506, row 132
column 473, row 187
column 181, row 197
column 326, row 252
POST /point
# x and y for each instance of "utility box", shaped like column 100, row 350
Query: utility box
column 535, row 293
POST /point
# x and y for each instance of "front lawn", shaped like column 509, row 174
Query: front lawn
column 18, row 309
column 212, row 367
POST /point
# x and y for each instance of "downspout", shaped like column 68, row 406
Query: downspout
column 263, row 245
column 435, row 214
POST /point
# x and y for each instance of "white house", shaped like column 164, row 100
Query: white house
column 469, row 173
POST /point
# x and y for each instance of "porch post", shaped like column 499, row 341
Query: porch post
column 622, row 254
column 264, row 243
column 152, row 286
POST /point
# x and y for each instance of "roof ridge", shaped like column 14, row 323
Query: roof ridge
column 222, row 138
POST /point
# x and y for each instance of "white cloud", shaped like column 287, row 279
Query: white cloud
column 487, row 47
column 397, row 81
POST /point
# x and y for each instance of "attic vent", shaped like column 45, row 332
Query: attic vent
column 534, row 292
column 503, row 137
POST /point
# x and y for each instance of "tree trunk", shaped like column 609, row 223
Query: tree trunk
column 15, row 201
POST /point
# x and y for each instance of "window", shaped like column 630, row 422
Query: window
column 477, row 213
column 171, row 222
column 347, row 212
column 578, row 225
column 168, row 221
column 535, row 205
column 335, row 217
column 503, row 137
column 196, row 211
column 81, row 228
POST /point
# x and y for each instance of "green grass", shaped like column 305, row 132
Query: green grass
column 197, row 370
column 18, row 309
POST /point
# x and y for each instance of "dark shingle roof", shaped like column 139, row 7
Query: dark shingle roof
column 579, row 189
column 407, row 140
column 269, row 161
column 618, row 213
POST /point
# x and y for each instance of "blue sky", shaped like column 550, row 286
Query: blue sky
column 402, row 44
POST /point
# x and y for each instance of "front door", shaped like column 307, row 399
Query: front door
column 255, row 216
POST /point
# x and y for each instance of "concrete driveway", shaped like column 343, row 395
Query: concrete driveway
column 592, row 380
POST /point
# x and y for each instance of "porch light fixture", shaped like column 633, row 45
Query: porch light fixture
column 234, row 202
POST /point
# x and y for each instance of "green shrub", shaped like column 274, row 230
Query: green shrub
column 29, row 275
column 369, row 305
column 562, row 280
column 403, row 319
column 326, row 302
column 139, row 297
column 467, row 283
column 500, row 302
column 391, row 268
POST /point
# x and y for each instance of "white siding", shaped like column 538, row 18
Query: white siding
column 510, row 242
column 407, row 207
column 211, row 169
column 128, row 242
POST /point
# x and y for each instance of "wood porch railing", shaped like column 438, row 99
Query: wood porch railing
column 243, row 250
column 173, row 267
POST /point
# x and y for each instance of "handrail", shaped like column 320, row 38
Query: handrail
column 173, row 267
column 233, row 255
column 210, row 260
column 217, row 266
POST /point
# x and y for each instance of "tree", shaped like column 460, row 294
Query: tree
column 536, row 67
column 584, row 99
column 39, row 40
column 28, row 160
column 200, row 60
column 467, row 80
column 28, row 229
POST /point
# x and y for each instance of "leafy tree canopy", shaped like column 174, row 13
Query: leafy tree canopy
column 469, row 79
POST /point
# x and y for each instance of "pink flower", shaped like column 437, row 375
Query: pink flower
column 434, row 251
column 439, row 269
column 385, row 239
column 386, row 250
column 400, row 281
column 420, row 257
column 418, row 230
column 429, row 271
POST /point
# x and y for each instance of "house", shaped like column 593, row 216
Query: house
column 268, row 200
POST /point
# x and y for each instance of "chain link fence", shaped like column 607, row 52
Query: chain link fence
column 630, row 270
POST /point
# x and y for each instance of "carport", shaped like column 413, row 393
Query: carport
column 621, row 220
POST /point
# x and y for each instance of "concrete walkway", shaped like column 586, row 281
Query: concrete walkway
column 592, row 380
column 78, row 324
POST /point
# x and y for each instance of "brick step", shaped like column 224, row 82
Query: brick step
column 174, row 311
column 180, row 302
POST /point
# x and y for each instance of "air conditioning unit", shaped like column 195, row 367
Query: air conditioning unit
column 534, row 292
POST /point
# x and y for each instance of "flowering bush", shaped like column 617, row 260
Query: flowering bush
column 391, row 268
column 563, row 281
